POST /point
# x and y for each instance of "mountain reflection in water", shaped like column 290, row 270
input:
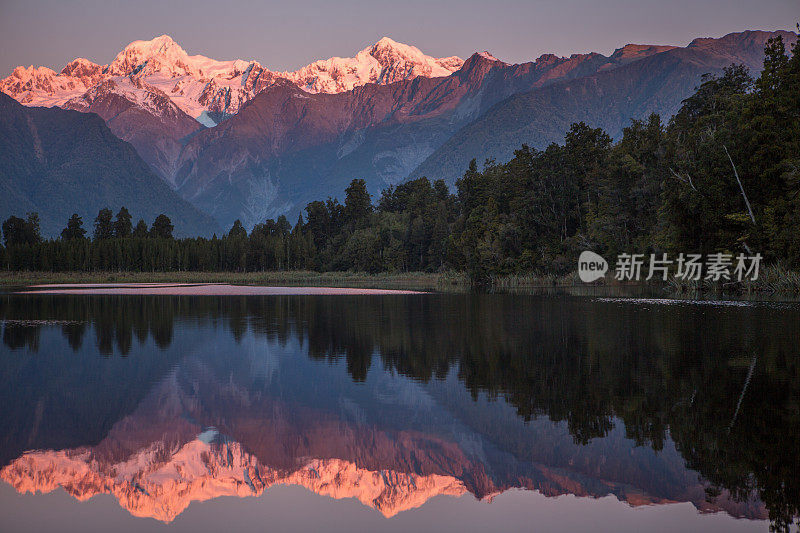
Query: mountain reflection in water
column 165, row 400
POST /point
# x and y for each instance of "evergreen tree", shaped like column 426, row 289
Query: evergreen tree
column 74, row 229
column 14, row 232
column 357, row 204
column 32, row 228
column 140, row 231
column 282, row 226
column 18, row 231
column 162, row 227
column 237, row 231
column 318, row 223
column 103, row 225
column 123, row 226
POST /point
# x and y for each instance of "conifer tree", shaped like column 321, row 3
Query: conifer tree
column 162, row 227
column 74, row 229
column 103, row 225
column 122, row 225
column 140, row 231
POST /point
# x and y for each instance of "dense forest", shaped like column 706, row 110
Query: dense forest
column 723, row 175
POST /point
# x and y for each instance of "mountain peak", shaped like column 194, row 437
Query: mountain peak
column 388, row 42
column 635, row 51
column 154, row 45
column 163, row 46
column 388, row 51
column 482, row 58
column 477, row 65
column 487, row 55
column 80, row 67
column 752, row 38
column 26, row 72
column 161, row 53
column 386, row 61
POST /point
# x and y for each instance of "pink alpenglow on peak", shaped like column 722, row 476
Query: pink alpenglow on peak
column 487, row 55
column 387, row 61
column 203, row 87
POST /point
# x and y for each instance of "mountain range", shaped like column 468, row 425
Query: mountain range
column 57, row 162
column 240, row 141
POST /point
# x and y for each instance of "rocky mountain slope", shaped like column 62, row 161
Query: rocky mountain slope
column 58, row 162
column 203, row 87
column 240, row 141
column 143, row 115
column 287, row 147
column 154, row 95
column 608, row 99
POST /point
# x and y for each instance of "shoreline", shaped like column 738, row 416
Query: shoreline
column 410, row 281
column 776, row 280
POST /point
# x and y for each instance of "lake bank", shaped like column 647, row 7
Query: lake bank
column 775, row 279
column 420, row 281
column 409, row 281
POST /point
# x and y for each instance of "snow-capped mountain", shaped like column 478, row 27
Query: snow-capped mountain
column 387, row 114
column 385, row 62
column 141, row 114
column 203, row 87
column 43, row 87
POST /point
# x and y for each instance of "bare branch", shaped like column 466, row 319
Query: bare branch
column 687, row 179
column 741, row 188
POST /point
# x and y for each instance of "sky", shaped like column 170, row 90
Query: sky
column 288, row 34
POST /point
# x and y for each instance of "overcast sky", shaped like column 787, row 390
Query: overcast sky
column 291, row 33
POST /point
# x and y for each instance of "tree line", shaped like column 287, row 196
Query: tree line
column 723, row 175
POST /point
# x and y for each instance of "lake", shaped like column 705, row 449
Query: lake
column 193, row 407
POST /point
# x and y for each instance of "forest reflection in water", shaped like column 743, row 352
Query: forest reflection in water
column 476, row 393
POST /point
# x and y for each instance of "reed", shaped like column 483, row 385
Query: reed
column 775, row 278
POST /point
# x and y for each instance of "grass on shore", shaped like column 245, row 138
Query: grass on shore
column 444, row 281
column 403, row 280
column 773, row 279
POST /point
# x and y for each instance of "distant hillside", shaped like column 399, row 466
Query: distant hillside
column 608, row 99
column 58, row 162
column 287, row 147
column 388, row 115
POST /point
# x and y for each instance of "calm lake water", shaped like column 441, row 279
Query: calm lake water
column 171, row 409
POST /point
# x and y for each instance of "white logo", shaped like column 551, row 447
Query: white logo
column 591, row 266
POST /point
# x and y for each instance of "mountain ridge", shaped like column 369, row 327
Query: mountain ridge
column 155, row 95
column 606, row 99
column 198, row 84
column 272, row 159
column 57, row 162
column 277, row 140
